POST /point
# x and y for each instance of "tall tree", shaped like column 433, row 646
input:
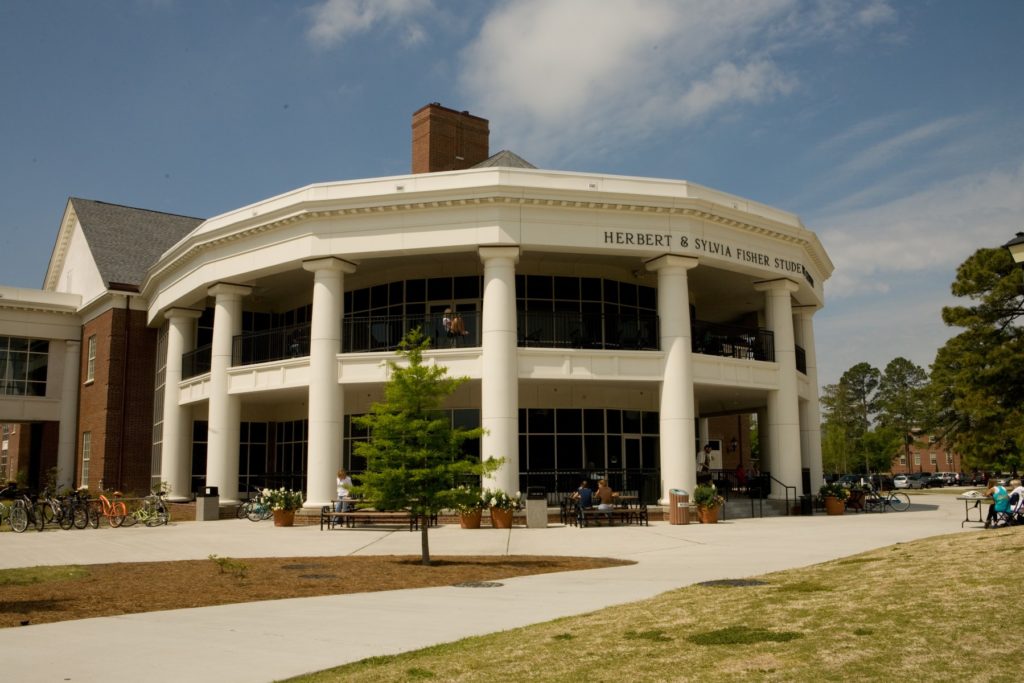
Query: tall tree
column 849, row 409
column 414, row 457
column 903, row 399
column 977, row 380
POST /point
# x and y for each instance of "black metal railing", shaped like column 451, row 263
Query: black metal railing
column 196, row 362
column 587, row 330
column 801, row 359
column 384, row 333
column 733, row 341
column 269, row 345
column 644, row 481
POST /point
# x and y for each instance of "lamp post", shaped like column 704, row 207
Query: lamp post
column 1016, row 248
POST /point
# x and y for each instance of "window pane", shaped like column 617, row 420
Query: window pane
column 538, row 287
column 593, row 421
column 567, row 288
column 415, row 290
column 467, row 287
column 570, row 451
column 569, row 420
column 649, row 422
column 542, row 421
column 542, row 452
column 630, row 421
column 439, row 289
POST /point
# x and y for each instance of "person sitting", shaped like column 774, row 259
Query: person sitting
column 604, row 495
column 999, row 510
column 583, row 496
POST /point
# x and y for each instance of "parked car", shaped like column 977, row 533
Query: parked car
column 900, row 481
column 936, row 480
column 851, row 480
column 949, row 478
column 918, row 480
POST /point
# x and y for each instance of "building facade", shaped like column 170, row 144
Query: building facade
column 612, row 326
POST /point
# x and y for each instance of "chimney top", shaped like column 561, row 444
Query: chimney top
column 447, row 140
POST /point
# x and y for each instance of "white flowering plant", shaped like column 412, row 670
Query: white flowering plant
column 471, row 498
column 282, row 498
column 497, row 498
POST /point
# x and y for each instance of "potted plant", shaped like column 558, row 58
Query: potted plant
column 502, row 506
column 834, row 495
column 707, row 500
column 283, row 502
column 471, row 503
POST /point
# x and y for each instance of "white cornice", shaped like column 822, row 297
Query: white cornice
column 60, row 248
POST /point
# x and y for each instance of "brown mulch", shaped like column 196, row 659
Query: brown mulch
column 112, row 589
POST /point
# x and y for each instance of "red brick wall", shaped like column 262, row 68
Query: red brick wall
column 447, row 140
column 117, row 406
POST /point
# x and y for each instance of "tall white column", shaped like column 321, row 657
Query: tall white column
column 225, row 409
column 326, row 397
column 810, row 410
column 499, row 381
column 176, row 456
column 676, row 417
column 783, row 412
column 67, row 428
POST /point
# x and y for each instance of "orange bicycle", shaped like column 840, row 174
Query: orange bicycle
column 114, row 510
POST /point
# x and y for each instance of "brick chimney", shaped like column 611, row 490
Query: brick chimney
column 447, row 140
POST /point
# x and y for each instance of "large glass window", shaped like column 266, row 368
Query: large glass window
column 90, row 360
column 23, row 366
column 86, row 456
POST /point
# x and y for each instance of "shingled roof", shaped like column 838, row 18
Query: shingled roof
column 505, row 159
column 125, row 241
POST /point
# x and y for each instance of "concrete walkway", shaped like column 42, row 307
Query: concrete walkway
column 265, row 641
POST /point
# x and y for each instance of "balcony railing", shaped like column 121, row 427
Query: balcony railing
column 384, row 333
column 588, row 330
column 733, row 341
column 196, row 362
column 268, row 345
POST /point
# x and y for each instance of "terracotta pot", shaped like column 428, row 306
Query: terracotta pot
column 471, row 520
column 834, row 506
column 284, row 517
column 707, row 515
column 501, row 519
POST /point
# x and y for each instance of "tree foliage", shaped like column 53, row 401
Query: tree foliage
column 849, row 408
column 978, row 376
column 414, row 457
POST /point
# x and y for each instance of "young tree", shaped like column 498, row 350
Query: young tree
column 977, row 380
column 414, row 456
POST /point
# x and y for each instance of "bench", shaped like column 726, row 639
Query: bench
column 352, row 517
column 624, row 515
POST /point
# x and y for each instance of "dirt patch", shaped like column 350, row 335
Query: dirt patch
column 112, row 589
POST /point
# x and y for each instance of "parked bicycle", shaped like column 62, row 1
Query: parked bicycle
column 115, row 511
column 76, row 510
column 878, row 501
column 24, row 512
column 152, row 512
column 255, row 509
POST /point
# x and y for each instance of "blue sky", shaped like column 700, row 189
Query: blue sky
column 894, row 129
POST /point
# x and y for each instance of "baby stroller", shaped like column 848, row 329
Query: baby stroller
column 1016, row 514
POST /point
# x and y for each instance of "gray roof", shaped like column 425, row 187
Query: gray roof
column 125, row 241
column 506, row 159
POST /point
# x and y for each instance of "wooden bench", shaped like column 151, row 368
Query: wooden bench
column 352, row 517
column 624, row 515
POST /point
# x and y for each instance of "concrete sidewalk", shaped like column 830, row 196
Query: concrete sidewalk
column 271, row 640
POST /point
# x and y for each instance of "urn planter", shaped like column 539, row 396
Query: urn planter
column 471, row 520
column 284, row 517
column 501, row 519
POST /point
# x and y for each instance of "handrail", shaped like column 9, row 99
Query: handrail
column 789, row 508
column 732, row 341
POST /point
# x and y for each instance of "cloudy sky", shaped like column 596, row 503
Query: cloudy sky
column 894, row 129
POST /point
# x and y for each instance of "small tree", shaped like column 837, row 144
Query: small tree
column 414, row 457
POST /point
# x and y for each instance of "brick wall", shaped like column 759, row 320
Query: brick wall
column 447, row 140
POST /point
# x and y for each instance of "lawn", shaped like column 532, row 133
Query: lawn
column 928, row 610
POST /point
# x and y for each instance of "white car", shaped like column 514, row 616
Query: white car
column 900, row 481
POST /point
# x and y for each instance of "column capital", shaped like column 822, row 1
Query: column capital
column 806, row 310
column 488, row 253
column 184, row 313
column 227, row 288
column 672, row 261
column 780, row 285
column 329, row 263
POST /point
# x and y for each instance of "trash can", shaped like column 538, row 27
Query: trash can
column 806, row 505
column 536, row 507
column 678, row 506
column 208, row 504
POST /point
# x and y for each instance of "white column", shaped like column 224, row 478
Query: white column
column 225, row 409
column 67, row 429
column 783, row 412
column 499, row 381
column 676, row 417
column 763, row 437
column 810, row 410
column 326, row 398
column 176, row 452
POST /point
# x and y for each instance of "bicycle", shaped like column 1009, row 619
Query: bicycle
column 76, row 510
column 114, row 510
column 255, row 509
column 878, row 501
column 153, row 511
column 24, row 512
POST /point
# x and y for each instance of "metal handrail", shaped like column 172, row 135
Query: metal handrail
column 732, row 341
column 196, row 362
column 789, row 508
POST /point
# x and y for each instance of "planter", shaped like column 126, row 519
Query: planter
column 707, row 515
column 471, row 520
column 834, row 506
column 501, row 519
column 284, row 517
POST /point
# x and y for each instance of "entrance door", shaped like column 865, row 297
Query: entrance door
column 630, row 461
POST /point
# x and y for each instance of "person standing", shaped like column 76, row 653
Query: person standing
column 344, row 485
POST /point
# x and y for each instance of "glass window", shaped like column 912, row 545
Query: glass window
column 541, row 421
column 649, row 422
column 541, row 452
column 611, row 291
column 538, row 287
column 630, row 421
column 570, row 451
column 590, row 289
column 467, row 287
column 569, row 420
column 86, row 456
column 439, row 289
column 593, row 421
column 90, row 360
column 567, row 288
column 415, row 290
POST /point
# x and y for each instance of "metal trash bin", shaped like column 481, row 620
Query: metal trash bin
column 536, row 507
column 208, row 504
column 806, row 505
column 678, row 506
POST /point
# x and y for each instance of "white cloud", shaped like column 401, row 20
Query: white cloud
column 557, row 75
column 334, row 21
column 935, row 228
column 881, row 153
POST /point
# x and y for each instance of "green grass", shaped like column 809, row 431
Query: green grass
column 24, row 576
column 918, row 611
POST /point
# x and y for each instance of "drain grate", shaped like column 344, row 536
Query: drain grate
column 733, row 582
column 478, row 584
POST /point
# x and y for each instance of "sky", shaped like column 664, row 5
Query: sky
column 894, row 129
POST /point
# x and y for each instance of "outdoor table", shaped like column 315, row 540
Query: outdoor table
column 978, row 500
